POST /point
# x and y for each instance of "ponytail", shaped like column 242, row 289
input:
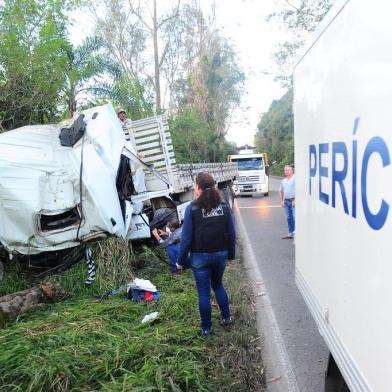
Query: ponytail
column 210, row 197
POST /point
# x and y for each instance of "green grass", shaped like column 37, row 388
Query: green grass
column 83, row 344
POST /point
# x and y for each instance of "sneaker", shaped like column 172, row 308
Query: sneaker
column 205, row 332
column 225, row 322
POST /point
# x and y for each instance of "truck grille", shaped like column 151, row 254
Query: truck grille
column 248, row 179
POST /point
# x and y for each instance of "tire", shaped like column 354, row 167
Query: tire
column 334, row 381
column 266, row 194
column 57, row 260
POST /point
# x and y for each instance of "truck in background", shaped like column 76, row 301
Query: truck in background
column 343, row 151
column 63, row 186
column 253, row 173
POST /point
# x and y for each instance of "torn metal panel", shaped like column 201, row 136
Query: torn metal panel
column 55, row 196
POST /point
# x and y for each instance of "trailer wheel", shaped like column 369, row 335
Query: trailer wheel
column 228, row 196
column 334, row 381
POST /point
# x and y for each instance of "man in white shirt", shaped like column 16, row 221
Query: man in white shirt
column 287, row 198
column 138, row 177
column 122, row 116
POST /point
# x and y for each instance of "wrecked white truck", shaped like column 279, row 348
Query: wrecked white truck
column 64, row 186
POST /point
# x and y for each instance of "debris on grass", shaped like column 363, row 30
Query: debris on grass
column 82, row 344
column 150, row 317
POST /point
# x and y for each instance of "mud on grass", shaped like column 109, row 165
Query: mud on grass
column 83, row 344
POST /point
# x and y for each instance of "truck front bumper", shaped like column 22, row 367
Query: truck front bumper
column 250, row 189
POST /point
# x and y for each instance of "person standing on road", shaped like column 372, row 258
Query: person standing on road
column 287, row 198
column 208, row 233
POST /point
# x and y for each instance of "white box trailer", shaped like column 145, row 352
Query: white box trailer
column 343, row 151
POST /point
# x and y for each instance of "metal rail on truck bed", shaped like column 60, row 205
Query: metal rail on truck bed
column 153, row 142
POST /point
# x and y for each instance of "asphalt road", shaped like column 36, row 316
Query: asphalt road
column 265, row 225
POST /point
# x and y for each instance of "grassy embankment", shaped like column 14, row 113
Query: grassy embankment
column 83, row 344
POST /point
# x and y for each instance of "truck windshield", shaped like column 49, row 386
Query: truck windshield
column 249, row 163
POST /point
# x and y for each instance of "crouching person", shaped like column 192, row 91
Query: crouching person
column 170, row 240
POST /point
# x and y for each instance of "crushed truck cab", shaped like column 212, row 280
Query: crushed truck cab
column 62, row 186
column 54, row 197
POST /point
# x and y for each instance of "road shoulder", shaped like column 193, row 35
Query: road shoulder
column 279, row 370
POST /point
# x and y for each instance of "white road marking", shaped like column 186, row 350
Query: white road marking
column 256, row 207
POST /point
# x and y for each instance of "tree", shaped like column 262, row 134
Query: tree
column 276, row 128
column 153, row 27
column 299, row 18
column 211, row 82
column 129, row 26
column 191, row 60
column 128, row 93
column 33, row 56
column 194, row 141
column 275, row 131
column 86, row 64
column 192, row 138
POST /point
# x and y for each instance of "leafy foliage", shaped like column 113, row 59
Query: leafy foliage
column 86, row 64
column 44, row 78
column 276, row 128
column 194, row 141
column 276, row 131
column 299, row 18
column 84, row 344
column 33, row 56
column 206, row 91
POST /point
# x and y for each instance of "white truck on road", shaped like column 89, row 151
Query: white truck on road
column 64, row 186
column 343, row 152
column 253, row 174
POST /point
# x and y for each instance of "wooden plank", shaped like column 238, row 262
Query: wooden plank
column 157, row 152
column 145, row 124
column 146, row 148
column 144, row 127
column 147, row 132
column 159, row 164
column 146, row 139
column 155, row 158
column 150, row 119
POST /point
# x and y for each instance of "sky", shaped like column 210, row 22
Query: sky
column 254, row 40
column 243, row 21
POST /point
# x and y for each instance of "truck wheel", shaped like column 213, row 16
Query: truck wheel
column 266, row 194
column 228, row 197
column 57, row 260
column 334, row 381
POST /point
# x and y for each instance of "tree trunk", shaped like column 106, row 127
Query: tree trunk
column 156, row 60
column 22, row 301
column 71, row 101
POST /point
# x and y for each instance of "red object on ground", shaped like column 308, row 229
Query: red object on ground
column 148, row 296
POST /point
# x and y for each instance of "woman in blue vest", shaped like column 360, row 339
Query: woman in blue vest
column 208, row 233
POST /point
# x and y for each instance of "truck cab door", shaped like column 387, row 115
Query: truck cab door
column 127, row 218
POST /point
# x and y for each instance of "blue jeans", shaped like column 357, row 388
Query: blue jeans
column 290, row 215
column 208, row 269
column 173, row 251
